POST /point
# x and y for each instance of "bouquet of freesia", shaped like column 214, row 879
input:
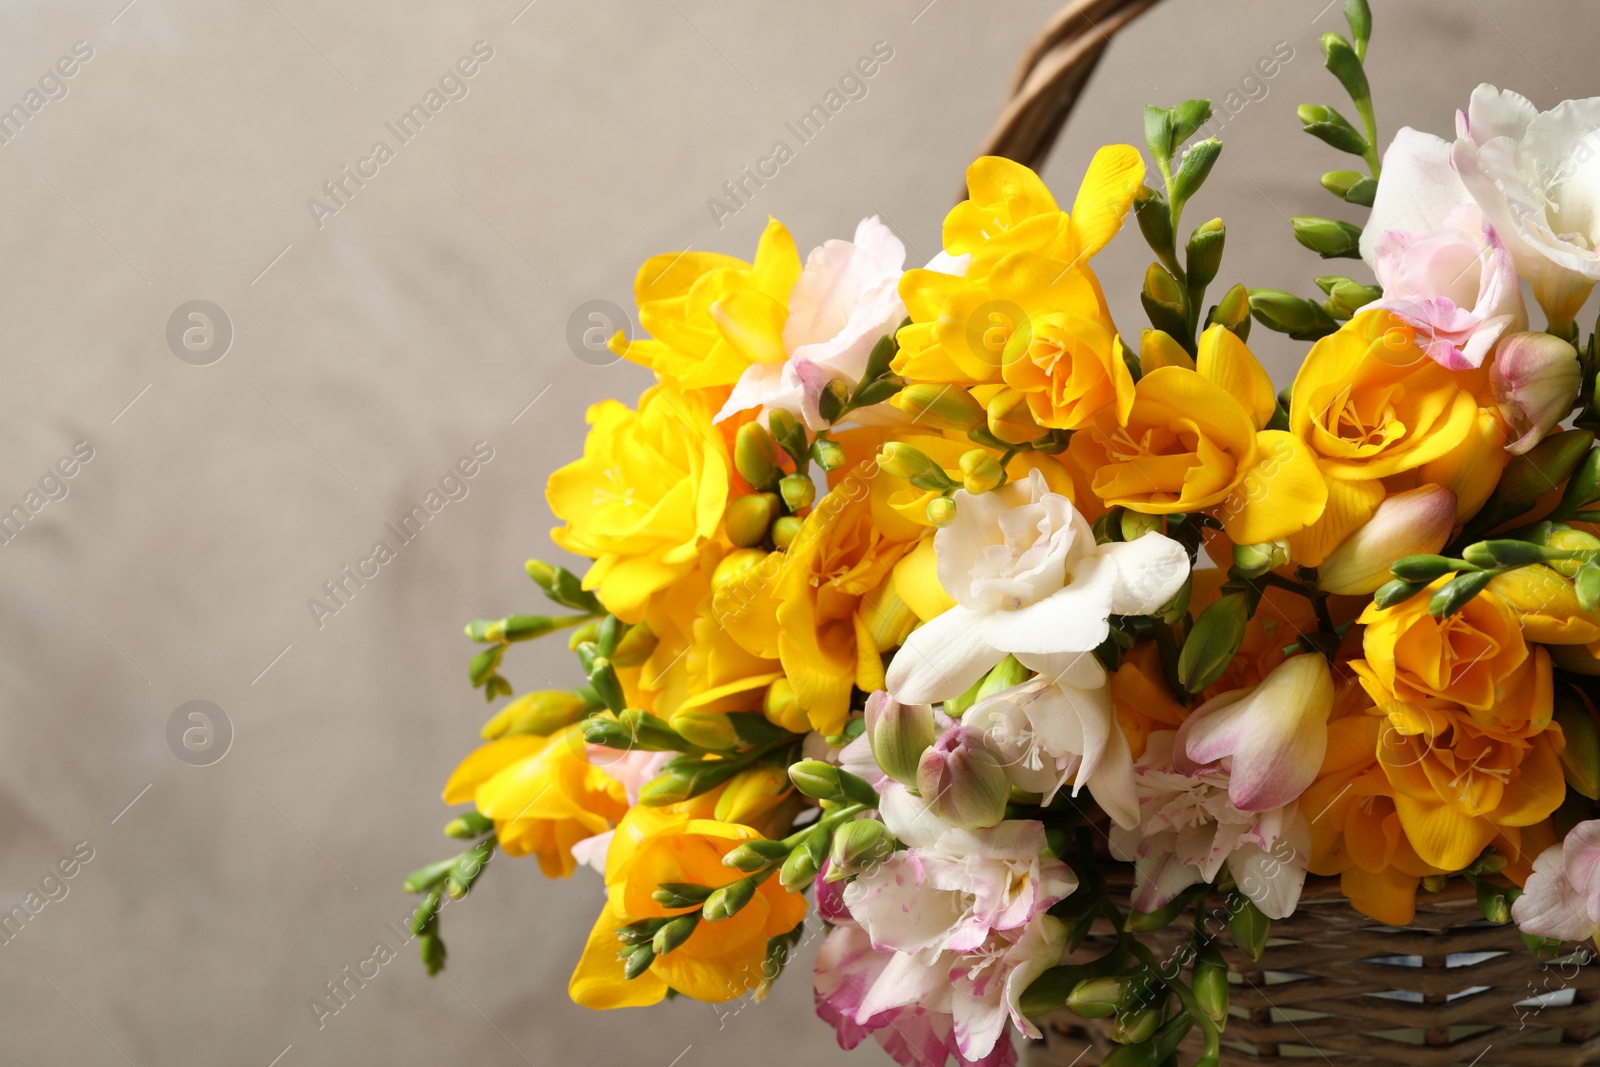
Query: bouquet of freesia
column 927, row 594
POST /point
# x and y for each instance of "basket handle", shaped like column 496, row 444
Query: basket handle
column 1051, row 76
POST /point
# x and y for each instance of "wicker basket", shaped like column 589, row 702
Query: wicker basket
column 1334, row 986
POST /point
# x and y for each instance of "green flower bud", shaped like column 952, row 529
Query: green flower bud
column 1346, row 296
column 824, row 781
column 942, row 407
column 1395, row 592
column 1583, row 487
column 1586, row 584
column 1204, row 253
column 1136, row 1026
column 799, row 870
column 603, row 680
column 562, row 586
column 1249, row 925
column 834, row 400
column 1211, row 983
column 1155, row 220
column 1328, row 238
column 799, row 491
column 674, row 933
column 980, row 471
column 785, row 530
column 755, row 455
column 898, row 734
column 941, row 511
column 679, row 783
column 467, row 826
column 1454, row 594
column 756, row 855
column 484, row 665
column 749, row 517
column 680, row 894
column 636, row 961
column 788, row 432
column 1158, row 132
column 1503, row 553
column 1549, row 463
column 431, row 948
column 425, row 878
column 727, row 902
column 1493, row 902
column 859, row 847
column 828, row 453
column 1346, row 66
column 1301, row 319
column 1211, row 645
column 1252, row 561
column 1233, row 312
column 1196, row 165
column 1424, row 568
column 1135, row 524
column 1327, row 125
column 905, row 461
column 1100, row 998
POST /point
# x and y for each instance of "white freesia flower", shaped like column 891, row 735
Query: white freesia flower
column 846, row 299
column 1053, row 730
column 1535, row 175
column 1029, row 580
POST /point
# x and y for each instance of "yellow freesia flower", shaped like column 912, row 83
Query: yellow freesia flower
column 710, row 316
column 720, row 960
column 1008, row 209
column 1028, row 316
column 1477, row 658
column 1370, row 405
column 1188, row 443
column 542, row 793
column 1546, row 606
column 646, row 497
column 809, row 606
column 1457, row 786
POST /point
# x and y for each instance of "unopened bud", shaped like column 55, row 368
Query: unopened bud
column 1332, row 128
column 1505, row 552
column 1580, row 760
column 859, row 847
column 636, row 961
column 1415, row 522
column 726, row 902
column 1494, row 904
column 834, row 400
column 751, row 794
column 941, row 406
column 898, row 734
column 980, row 471
column 749, row 517
column 1454, row 594
column 787, row 431
column 1536, row 379
column 1211, row 644
column 905, row 461
column 756, row 855
column 1548, row 463
column 1301, row 319
column 824, row 781
column 1136, row 1026
column 941, row 511
column 1211, row 983
column 1586, row 585
column 1135, row 524
column 468, row 825
column 1328, row 238
column 1396, row 591
column 1583, row 487
column 1100, row 998
column 963, row 781
column 799, row 491
column 785, row 530
column 541, row 713
column 1233, row 312
column 635, row 646
column 674, row 933
column 1010, row 419
column 828, row 453
column 680, row 894
column 1204, row 252
column 1252, row 561
column 799, row 870
column 755, row 455
column 782, row 707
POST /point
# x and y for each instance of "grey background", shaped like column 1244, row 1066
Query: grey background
column 367, row 356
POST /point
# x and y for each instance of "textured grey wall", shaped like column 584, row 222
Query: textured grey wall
column 368, row 353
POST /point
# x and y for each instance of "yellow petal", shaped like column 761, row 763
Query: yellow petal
column 485, row 762
column 598, row 981
column 1105, row 196
column 752, row 322
column 777, row 265
column 1224, row 359
column 1350, row 505
column 1280, row 496
column 1158, row 349
column 1443, row 836
column 916, row 580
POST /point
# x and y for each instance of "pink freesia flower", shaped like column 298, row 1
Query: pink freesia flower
column 1456, row 286
column 1271, row 738
column 847, row 968
column 846, row 299
column 943, row 937
column 1188, row 828
column 1562, row 897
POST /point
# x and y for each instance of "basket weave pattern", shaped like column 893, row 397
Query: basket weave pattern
column 1334, row 987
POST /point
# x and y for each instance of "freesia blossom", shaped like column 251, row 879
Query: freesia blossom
column 1273, row 736
column 1536, row 379
column 1532, row 173
column 846, row 299
column 1029, row 580
column 1055, row 730
column 1562, row 898
column 1188, row 828
column 942, row 938
column 1456, row 285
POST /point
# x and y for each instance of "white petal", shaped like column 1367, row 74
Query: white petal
column 1070, row 670
column 1150, row 571
column 1071, row 620
column 941, row 659
column 1418, row 189
column 1498, row 113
